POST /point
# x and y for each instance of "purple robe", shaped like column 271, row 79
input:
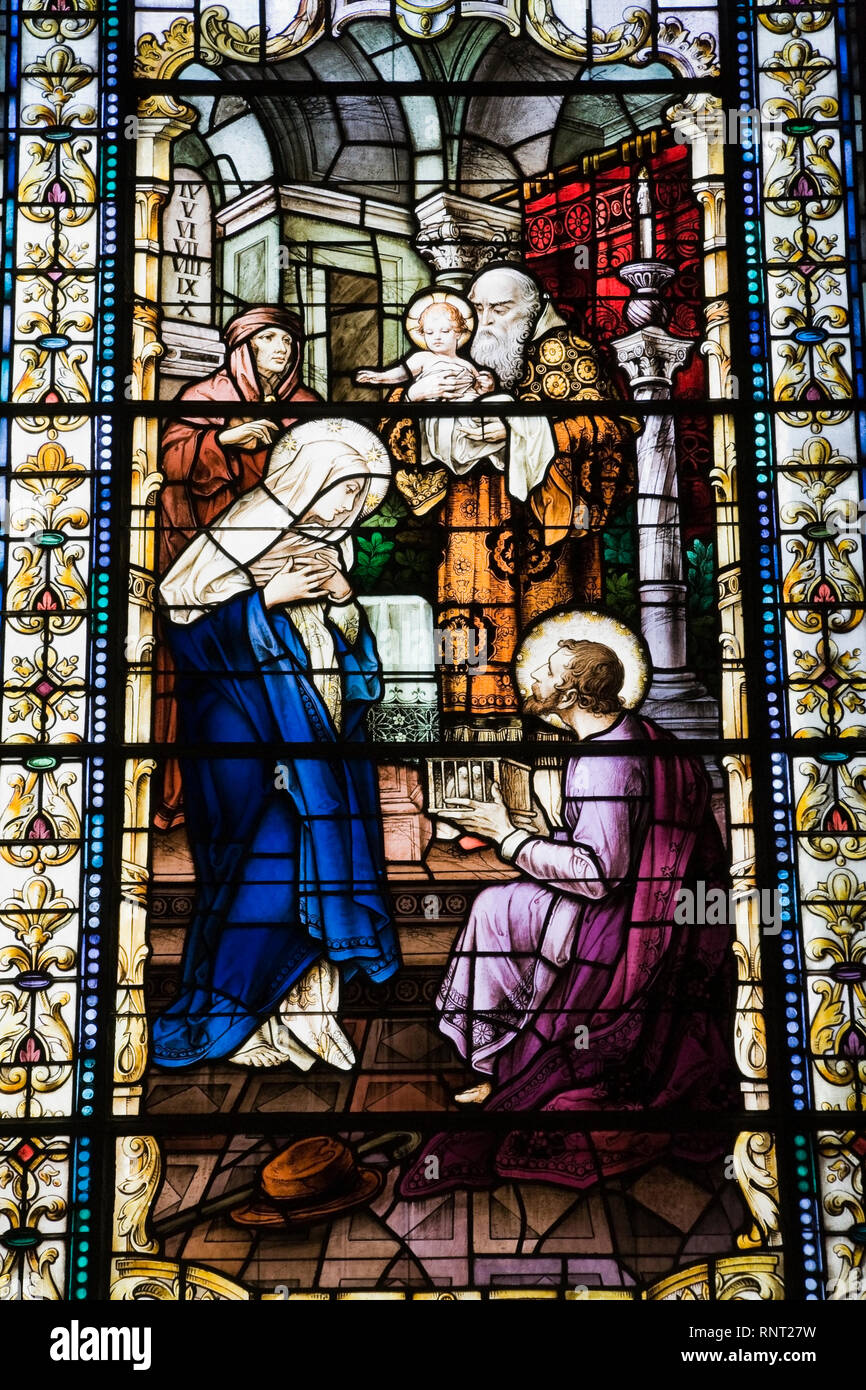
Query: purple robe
column 574, row 988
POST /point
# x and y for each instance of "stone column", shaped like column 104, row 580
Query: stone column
column 458, row 236
column 160, row 121
column 754, row 1150
column 650, row 356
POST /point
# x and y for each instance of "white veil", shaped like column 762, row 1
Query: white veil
column 257, row 534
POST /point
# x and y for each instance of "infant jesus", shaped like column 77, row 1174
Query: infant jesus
column 439, row 324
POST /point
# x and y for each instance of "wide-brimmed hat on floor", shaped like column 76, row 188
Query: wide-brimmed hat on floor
column 309, row 1180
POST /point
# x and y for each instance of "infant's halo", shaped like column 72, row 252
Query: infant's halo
column 424, row 301
column 584, row 625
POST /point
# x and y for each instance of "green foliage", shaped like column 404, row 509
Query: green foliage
column 703, row 631
column 411, row 565
column 703, row 618
column 374, row 552
column 396, row 552
column 704, row 650
column 619, row 539
column 700, row 559
column 392, row 512
column 620, row 580
column 620, row 594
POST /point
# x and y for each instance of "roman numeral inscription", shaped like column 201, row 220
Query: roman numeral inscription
column 187, row 238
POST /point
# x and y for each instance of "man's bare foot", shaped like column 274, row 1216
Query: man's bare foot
column 475, row 1095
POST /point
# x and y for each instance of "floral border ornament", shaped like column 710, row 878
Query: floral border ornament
column 636, row 39
column 820, row 563
column 34, row 1181
column 54, row 252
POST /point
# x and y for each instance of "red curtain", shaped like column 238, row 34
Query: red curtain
column 598, row 211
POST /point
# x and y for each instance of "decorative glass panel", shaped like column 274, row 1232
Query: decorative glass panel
column 432, row 815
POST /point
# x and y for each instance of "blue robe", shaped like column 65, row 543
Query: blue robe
column 286, row 873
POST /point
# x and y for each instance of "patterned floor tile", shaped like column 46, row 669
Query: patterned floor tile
column 378, row 1094
column 408, row 1043
column 676, row 1199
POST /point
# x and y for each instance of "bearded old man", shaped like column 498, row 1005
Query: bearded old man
column 572, row 988
column 517, row 543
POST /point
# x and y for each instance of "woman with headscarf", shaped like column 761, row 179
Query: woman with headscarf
column 209, row 461
column 272, row 656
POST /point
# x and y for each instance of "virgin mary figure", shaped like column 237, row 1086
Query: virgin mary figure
column 276, row 668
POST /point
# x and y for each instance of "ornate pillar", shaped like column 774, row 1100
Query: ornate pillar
column 458, row 236
column 160, row 121
column 754, row 1150
column 650, row 356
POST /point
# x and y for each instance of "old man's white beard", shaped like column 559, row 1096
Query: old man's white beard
column 502, row 353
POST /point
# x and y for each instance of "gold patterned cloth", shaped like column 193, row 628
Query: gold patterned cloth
column 592, row 473
column 505, row 563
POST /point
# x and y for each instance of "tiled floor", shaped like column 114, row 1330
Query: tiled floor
column 637, row 1228
column 640, row 1228
column 403, row 1064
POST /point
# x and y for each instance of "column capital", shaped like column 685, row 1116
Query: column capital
column 459, row 235
column 162, row 115
column 159, row 121
column 650, row 356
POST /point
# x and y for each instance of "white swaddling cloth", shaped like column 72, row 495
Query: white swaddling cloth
column 524, row 455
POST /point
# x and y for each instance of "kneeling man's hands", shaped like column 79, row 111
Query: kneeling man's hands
column 534, row 820
column 490, row 819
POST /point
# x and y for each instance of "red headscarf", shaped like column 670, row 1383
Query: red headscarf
column 238, row 332
column 203, row 479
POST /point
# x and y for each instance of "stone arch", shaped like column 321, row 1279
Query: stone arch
column 494, row 148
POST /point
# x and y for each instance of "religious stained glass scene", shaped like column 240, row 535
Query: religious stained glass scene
column 432, row 811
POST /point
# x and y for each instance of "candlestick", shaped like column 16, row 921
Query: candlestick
column 645, row 208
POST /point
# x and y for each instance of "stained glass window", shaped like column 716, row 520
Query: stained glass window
column 432, row 799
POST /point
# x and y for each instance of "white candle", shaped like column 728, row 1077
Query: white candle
column 645, row 227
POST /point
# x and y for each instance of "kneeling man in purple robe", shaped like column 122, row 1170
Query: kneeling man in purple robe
column 572, row 987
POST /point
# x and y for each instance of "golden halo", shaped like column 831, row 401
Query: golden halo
column 423, row 301
column 584, row 625
column 345, row 435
